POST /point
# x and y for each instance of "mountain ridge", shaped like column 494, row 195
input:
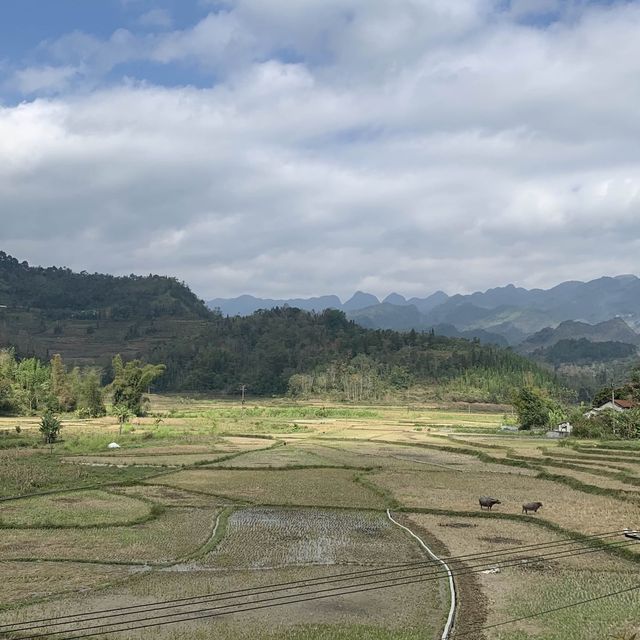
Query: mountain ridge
column 88, row 318
column 510, row 313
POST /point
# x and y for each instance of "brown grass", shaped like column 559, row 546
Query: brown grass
column 564, row 506
column 283, row 456
column 408, row 613
column 79, row 509
column 261, row 537
column 307, row 487
column 26, row 581
column 176, row 533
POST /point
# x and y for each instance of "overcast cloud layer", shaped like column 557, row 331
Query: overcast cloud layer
column 298, row 148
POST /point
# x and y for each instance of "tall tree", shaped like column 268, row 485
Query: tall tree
column 61, row 387
column 532, row 408
column 50, row 428
column 32, row 385
column 131, row 381
column 90, row 395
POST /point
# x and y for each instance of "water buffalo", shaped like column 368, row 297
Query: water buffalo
column 486, row 501
column 531, row 506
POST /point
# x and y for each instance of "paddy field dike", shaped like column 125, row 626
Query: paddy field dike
column 272, row 521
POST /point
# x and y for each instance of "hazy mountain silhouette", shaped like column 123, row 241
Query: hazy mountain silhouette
column 508, row 314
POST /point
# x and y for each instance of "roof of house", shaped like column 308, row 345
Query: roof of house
column 625, row 404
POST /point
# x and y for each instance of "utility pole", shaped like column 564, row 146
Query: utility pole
column 243, row 388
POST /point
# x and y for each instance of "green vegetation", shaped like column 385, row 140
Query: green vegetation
column 130, row 382
column 584, row 351
column 50, row 428
column 296, row 412
column 325, row 355
column 87, row 318
column 536, row 410
column 62, row 294
column 630, row 390
column 608, row 425
column 29, row 386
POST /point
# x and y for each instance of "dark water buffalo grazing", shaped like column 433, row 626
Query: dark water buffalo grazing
column 486, row 501
column 531, row 506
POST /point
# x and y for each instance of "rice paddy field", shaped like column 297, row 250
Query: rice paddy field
column 272, row 521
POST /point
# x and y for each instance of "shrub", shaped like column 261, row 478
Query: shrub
column 50, row 427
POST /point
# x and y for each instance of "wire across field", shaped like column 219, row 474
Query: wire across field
column 314, row 510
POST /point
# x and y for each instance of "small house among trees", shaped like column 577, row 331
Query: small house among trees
column 614, row 405
column 563, row 430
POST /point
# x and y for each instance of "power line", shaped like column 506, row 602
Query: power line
column 285, row 586
column 546, row 611
column 290, row 599
column 146, row 609
column 189, row 616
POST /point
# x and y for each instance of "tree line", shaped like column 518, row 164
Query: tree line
column 29, row 386
column 536, row 409
column 62, row 293
column 286, row 350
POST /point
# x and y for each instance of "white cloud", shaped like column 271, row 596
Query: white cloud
column 441, row 145
column 156, row 18
column 43, row 79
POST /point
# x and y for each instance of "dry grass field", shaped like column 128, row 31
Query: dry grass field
column 303, row 487
column 176, row 533
column 75, row 510
column 562, row 505
column 568, row 572
column 264, row 537
column 208, row 497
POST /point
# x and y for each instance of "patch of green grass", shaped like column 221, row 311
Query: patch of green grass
column 29, row 472
column 286, row 413
column 218, row 533
column 75, row 509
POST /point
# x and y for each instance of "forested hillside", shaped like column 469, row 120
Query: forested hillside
column 291, row 350
column 89, row 318
column 61, row 293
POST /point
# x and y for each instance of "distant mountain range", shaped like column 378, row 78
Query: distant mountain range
column 246, row 304
column 615, row 330
column 602, row 310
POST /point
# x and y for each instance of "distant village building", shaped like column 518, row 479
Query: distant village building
column 614, row 405
column 618, row 405
column 563, row 430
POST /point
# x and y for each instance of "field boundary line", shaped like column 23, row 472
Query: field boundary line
column 433, row 464
column 135, row 482
column 452, row 588
column 514, row 517
column 219, row 530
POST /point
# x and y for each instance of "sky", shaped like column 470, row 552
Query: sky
column 285, row 148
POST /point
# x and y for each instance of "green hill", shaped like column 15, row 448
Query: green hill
column 61, row 293
column 88, row 318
